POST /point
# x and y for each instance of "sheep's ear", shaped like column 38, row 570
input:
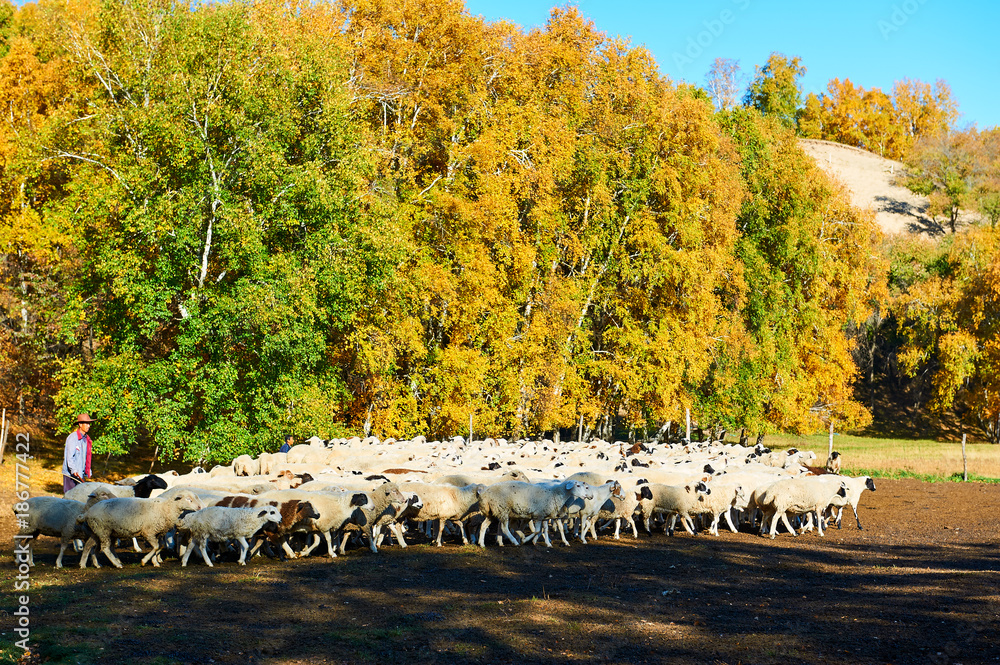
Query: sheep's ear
column 569, row 484
column 262, row 513
column 688, row 488
column 359, row 499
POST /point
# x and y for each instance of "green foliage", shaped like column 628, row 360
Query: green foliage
column 6, row 26
column 224, row 245
column 775, row 89
column 807, row 253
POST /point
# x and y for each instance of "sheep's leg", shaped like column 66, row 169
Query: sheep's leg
column 562, row 532
column 774, row 524
column 688, row 524
column 668, row 527
column 108, row 553
column 788, row 525
column 63, row 545
column 584, row 528
column 86, row 551
column 155, row 543
column 729, row 519
column 313, row 543
column 805, row 524
column 819, row 522
column 440, row 534
column 461, row 530
column 713, row 530
column 482, row 532
column 256, row 546
column 397, row 530
column 186, row 554
column 545, row 534
column 244, row 546
column 329, row 544
column 765, row 519
column 505, row 527
column 287, row 549
column 856, row 518
column 203, row 552
column 343, row 542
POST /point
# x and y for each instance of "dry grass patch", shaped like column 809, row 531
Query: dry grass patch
column 931, row 460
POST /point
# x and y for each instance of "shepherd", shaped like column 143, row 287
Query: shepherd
column 76, row 460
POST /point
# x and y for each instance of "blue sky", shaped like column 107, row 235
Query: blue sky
column 873, row 43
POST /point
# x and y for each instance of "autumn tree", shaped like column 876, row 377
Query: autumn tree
column 947, row 168
column 775, row 89
column 949, row 318
column 811, row 270
column 871, row 119
column 724, row 82
column 40, row 319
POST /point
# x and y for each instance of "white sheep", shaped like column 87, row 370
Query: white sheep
column 855, row 487
column 244, row 465
column 718, row 501
column 807, row 494
column 592, row 507
column 336, row 510
column 445, row 503
column 527, row 501
column 466, row 479
column 132, row 518
column 52, row 516
column 621, row 510
column 679, row 500
column 217, row 524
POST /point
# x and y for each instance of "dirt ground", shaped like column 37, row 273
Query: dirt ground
column 920, row 584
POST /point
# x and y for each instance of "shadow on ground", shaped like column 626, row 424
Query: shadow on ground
column 734, row 599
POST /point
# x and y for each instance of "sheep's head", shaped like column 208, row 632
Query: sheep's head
column 100, row 494
column 870, row 484
column 186, row 501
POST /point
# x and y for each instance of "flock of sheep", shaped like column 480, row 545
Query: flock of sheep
column 287, row 504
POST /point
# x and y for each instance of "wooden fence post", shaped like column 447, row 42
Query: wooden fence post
column 965, row 462
column 3, row 434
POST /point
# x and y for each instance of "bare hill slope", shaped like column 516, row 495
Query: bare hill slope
column 870, row 180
